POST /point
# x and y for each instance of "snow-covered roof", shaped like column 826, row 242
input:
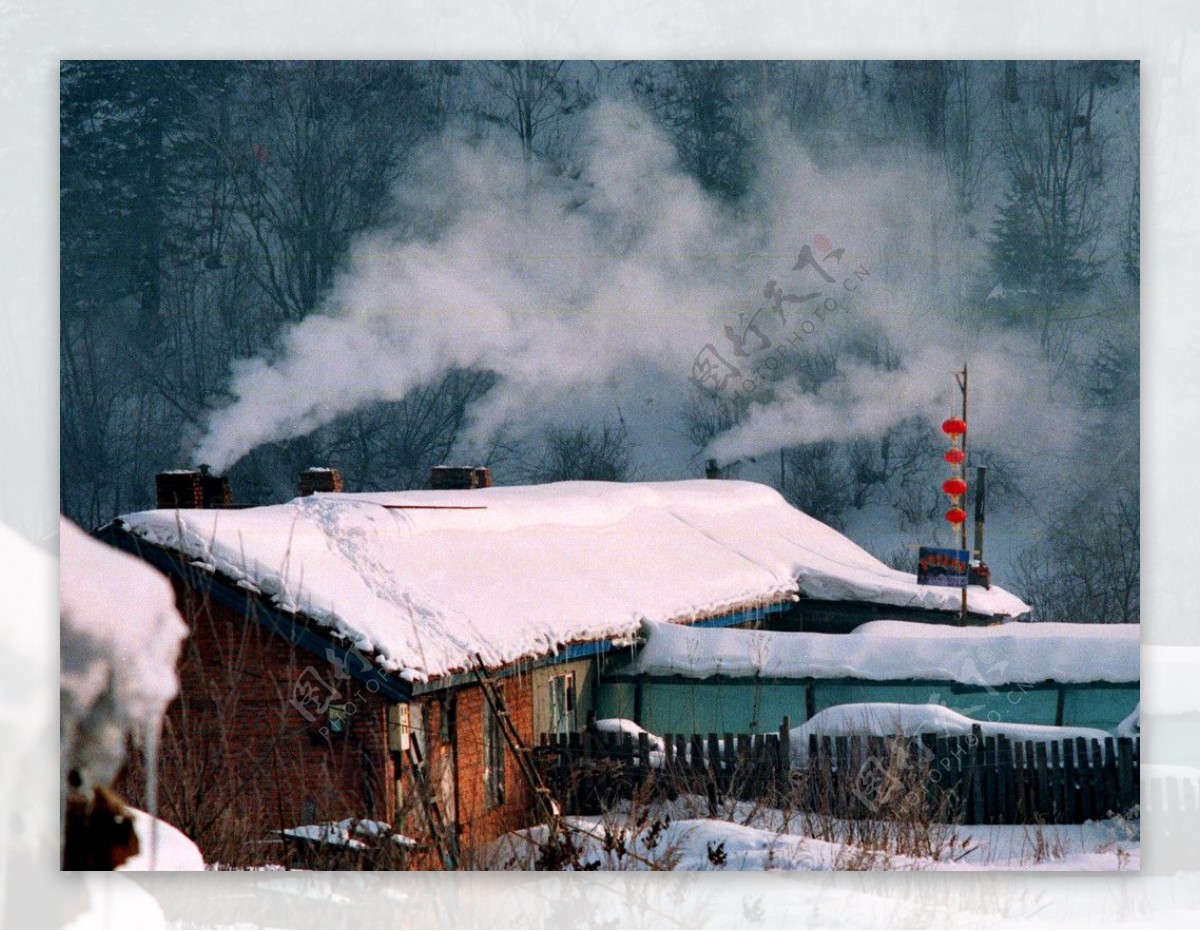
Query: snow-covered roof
column 425, row 579
column 897, row 650
column 121, row 637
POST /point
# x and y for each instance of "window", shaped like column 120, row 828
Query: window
column 493, row 757
column 562, row 704
column 339, row 719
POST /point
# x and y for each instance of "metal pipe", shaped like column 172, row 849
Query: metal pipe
column 980, row 509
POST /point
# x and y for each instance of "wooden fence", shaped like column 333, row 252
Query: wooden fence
column 972, row 778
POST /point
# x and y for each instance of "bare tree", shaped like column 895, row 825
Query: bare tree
column 1088, row 568
column 1047, row 232
column 601, row 453
column 314, row 165
column 965, row 149
column 530, row 98
column 704, row 106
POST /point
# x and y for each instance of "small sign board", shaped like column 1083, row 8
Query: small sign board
column 945, row 567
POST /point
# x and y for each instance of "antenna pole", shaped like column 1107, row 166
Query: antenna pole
column 961, row 378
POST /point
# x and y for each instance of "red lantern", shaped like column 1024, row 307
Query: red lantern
column 955, row 456
column 956, row 515
column 954, row 487
column 955, row 426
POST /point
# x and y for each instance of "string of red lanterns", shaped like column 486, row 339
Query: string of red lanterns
column 955, row 486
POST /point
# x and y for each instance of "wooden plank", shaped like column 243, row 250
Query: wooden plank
column 1070, row 776
column 644, row 754
column 758, row 768
column 627, row 751
column 669, row 752
column 1058, row 783
column 841, row 755
column 730, row 757
column 990, row 774
column 857, row 754
column 714, row 755
column 1004, row 773
column 697, row 753
column 1044, row 806
column 1087, row 789
column 785, row 745
column 978, row 796
column 1110, row 799
column 1020, row 802
column 743, row 753
column 940, row 774
column 773, row 771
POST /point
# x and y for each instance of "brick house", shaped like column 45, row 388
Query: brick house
column 333, row 665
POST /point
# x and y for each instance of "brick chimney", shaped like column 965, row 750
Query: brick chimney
column 459, row 478
column 316, row 479
column 711, row 469
column 187, row 489
column 179, row 488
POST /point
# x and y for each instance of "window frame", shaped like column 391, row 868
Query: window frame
column 493, row 756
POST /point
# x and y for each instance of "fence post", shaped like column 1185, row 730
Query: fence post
column 978, row 799
column 785, row 746
column 1112, row 793
column 1069, row 777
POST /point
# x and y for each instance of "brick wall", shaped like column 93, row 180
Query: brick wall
column 241, row 760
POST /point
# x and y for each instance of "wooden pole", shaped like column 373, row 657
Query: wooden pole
column 961, row 378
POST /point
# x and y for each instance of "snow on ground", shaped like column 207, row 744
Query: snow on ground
column 346, row 833
column 672, row 836
column 120, row 639
column 162, row 847
column 896, row 650
column 883, row 719
column 425, row 579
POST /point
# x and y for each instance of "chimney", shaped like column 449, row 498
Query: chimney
column 189, row 489
column 711, row 469
column 317, row 479
column 179, row 488
column 459, row 478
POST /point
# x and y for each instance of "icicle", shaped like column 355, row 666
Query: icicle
column 150, row 748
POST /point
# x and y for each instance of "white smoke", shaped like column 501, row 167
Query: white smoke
column 578, row 292
column 1015, row 404
column 552, row 285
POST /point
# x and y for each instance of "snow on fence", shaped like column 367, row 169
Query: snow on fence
column 965, row 778
column 590, row 770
